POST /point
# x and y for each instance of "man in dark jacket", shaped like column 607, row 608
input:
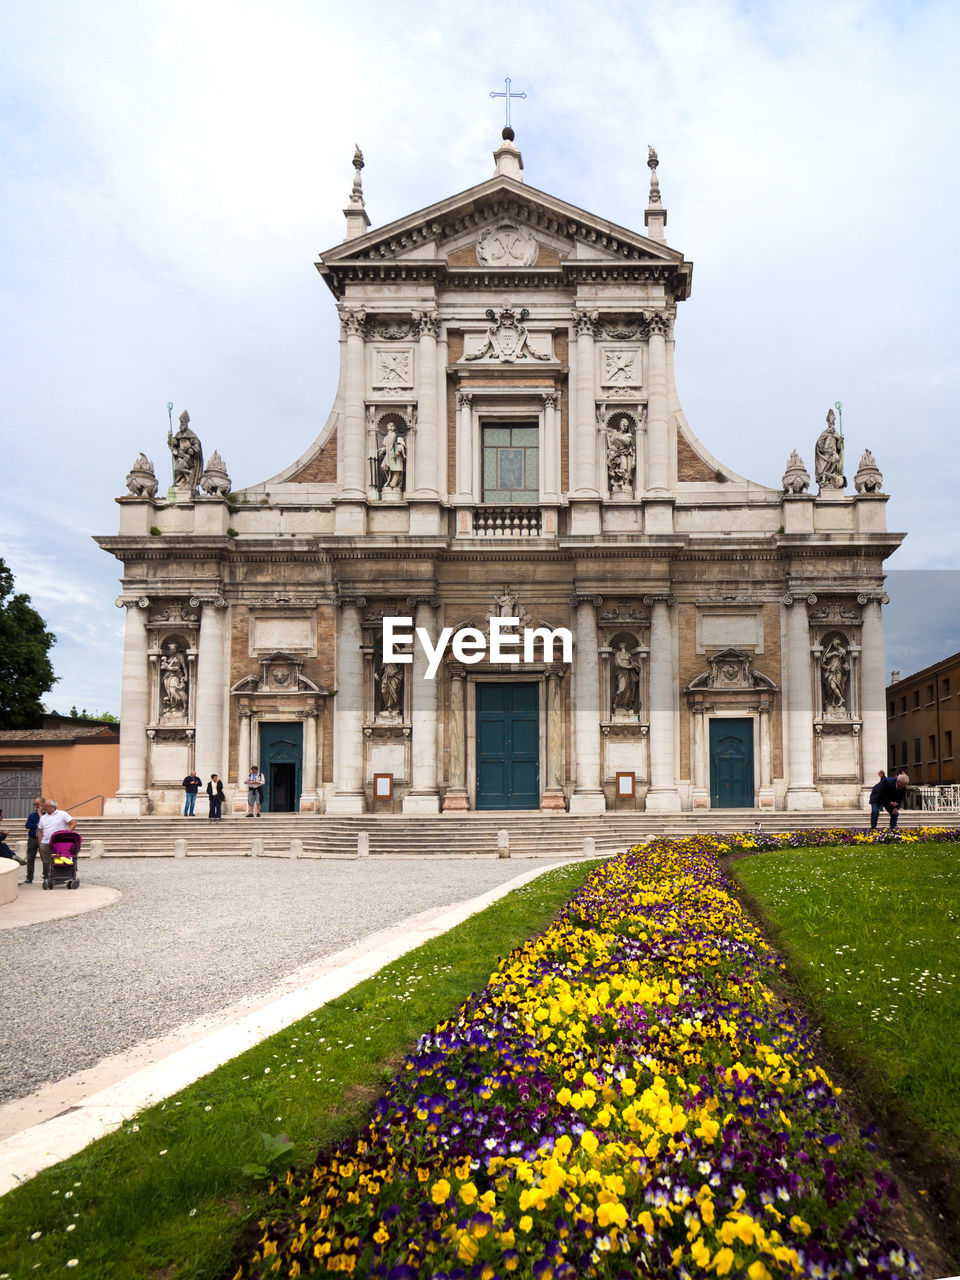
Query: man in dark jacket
column 885, row 795
column 215, row 792
column 191, row 785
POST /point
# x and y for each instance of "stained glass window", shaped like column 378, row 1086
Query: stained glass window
column 511, row 464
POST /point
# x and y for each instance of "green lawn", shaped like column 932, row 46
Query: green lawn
column 872, row 936
column 167, row 1195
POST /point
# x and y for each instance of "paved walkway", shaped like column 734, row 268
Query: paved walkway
column 61, row 1118
column 35, row 905
column 186, row 939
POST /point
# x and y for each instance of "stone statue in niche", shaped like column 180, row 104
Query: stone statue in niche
column 389, row 679
column 626, row 681
column 834, row 671
column 829, row 457
column 621, row 454
column 187, row 456
column 173, row 683
column 141, row 479
column 392, row 458
column 507, row 339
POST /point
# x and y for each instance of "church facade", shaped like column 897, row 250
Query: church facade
column 506, row 455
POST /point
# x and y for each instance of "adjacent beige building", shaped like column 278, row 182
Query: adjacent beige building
column 506, row 441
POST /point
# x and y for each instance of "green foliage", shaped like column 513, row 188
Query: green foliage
column 84, row 714
column 26, row 672
column 170, row 1192
column 232, row 533
column 872, row 934
column 154, row 531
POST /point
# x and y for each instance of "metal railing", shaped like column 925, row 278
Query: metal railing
column 80, row 803
column 939, row 799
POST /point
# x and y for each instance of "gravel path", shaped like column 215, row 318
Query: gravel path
column 189, row 938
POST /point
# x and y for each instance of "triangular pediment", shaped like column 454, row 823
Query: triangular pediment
column 500, row 223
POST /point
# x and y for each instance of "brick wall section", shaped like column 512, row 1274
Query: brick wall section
column 690, row 466
column 322, row 467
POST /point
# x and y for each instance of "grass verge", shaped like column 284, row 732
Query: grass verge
column 166, row 1196
column 870, row 934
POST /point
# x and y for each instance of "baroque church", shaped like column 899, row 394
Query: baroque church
column 506, row 449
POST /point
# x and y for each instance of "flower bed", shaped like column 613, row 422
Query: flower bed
column 625, row 1098
column 761, row 841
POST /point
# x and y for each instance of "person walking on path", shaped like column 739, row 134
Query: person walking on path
column 5, row 850
column 255, row 782
column 32, row 825
column 191, row 785
column 885, row 795
column 52, row 820
column 215, row 792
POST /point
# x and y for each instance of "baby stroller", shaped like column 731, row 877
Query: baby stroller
column 64, row 852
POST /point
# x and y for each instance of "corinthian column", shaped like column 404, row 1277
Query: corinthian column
column 585, row 433
column 423, row 796
column 348, row 712
column 351, row 511
column 658, row 438
column 873, row 707
column 131, row 797
column 801, row 793
column 211, row 688
column 427, row 442
column 588, row 796
column 663, row 796
column 464, row 458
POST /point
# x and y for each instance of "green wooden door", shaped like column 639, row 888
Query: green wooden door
column 731, row 764
column 281, row 763
column 508, row 746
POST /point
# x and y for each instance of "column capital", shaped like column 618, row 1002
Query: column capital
column 129, row 602
column 551, row 399
column 557, row 671
column 464, row 399
column 352, row 321
column 432, row 600
column 578, row 599
column 873, row 597
column 658, row 323
column 660, row 597
column 586, row 323
column 217, row 601
column 798, row 598
column 457, row 670
column 426, row 324
column 341, row 602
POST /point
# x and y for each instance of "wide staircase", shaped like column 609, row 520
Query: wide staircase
column 532, row 834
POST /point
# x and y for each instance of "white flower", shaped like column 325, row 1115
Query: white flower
column 71, row 1226
column 208, row 1108
column 192, row 1213
column 74, row 1262
column 36, row 1235
column 164, row 1151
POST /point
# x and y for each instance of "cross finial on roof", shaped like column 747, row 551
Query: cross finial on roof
column 507, row 95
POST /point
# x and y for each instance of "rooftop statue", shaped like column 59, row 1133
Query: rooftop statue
column 187, row 455
column 829, row 459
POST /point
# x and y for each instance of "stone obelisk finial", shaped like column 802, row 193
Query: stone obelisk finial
column 355, row 213
column 655, row 216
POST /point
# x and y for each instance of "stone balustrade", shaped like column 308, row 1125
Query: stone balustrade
column 507, row 522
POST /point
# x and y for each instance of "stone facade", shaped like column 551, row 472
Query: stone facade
column 506, row 434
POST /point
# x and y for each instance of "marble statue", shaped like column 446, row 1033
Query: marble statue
column 141, row 478
column 868, row 478
column 173, row 682
column 393, row 460
column 829, row 456
column 187, row 455
column 626, row 691
column 796, row 478
column 621, row 455
column 834, row 670
column 215, row 480
column 390, row 679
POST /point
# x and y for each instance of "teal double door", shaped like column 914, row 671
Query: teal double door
column 281, row 763
column 731, row 763
column 508, row 746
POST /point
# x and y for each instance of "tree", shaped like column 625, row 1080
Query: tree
column 26, row 672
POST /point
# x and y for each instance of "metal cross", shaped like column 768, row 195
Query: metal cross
column 508, row 94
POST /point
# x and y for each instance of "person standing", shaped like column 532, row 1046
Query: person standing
column 191, row 785
column 884, row 795
column 32, row 825
column 215, row 792
column 52, row 820
column 255, row 782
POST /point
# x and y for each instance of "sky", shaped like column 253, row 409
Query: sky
column 172, row 170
